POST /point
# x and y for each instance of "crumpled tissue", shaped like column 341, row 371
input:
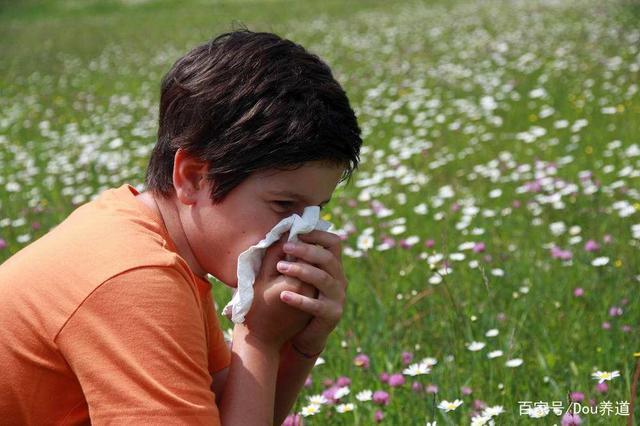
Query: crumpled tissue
column 250, row 260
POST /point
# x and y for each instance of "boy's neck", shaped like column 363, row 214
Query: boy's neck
column 168, row 212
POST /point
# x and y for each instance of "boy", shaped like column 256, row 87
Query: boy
column 109, row 317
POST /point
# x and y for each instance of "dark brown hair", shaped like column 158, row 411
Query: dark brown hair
column 250, row 101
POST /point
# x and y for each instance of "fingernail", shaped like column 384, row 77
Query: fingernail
column 283, row 266
column 285, row 296
column 289, row 247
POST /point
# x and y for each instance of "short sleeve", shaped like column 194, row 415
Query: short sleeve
column 138, row 346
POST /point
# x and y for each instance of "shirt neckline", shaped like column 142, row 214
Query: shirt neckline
column 159, row 222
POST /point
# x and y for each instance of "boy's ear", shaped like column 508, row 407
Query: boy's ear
column 189, row 177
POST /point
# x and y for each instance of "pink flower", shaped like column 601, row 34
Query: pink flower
column 416, row 387
column 431, row 388
column 533, row 186
column 626, row 328
column 407, row 357
column 343, row 381
column 466, row 390
column 558, row 253
column 377, row 206
column 479, row 247
column 570, row 419
column 36, row 225
column 606, row 326
column 327, row 383
column 479, row 405
column 576, row 396
column 380, row 397
column 615, row 311
column 602, row 387
column 361, row 360
column 308, row 382
column 3, row 244
column 429, row 243
column 405, row 244
column 293, row 420
column 384, row 377
column 396, row 380
column 607, row 239
column 378, row 416
column 388, row 241
column 591, row 245
column 578, row 292
column 330, row 394
column 515, row 204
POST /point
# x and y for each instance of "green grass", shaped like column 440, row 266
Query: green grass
column 91, row 71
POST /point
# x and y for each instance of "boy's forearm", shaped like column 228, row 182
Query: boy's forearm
column 294, row 370
column 249, row 392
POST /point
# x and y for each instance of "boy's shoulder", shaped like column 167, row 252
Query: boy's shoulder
column 101, row 239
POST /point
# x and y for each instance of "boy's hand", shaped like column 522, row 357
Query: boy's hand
column 320, row 265
column 270, row 321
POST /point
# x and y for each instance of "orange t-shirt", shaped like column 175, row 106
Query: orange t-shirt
column 101, row 321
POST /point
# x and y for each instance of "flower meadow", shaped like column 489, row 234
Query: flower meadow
column 491, row 234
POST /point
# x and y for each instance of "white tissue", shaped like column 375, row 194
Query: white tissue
column 250, row 260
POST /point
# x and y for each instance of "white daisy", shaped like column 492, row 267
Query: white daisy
column 601, row 376
column 538, row 411
column 429, row 362
column 435, row 279
column 600, row 261
column 516, row 362
column 365, row 395
column 481, row 420
column 449, row 406
column 492, row 333
column 343, row 408
column 493, row 411
column 475, row 346
column 416, row 369
column 341, row 392
column 318, row 399
column 310, row 410
column 365, row 242
column 494, row 354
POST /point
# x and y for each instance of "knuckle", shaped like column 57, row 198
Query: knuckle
column 338, row 313
column 326, row 278
column 315, row 308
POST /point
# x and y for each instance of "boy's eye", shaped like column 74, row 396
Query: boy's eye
column 285, row 204
column 290, row 204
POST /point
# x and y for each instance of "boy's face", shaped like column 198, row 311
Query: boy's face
column 217, row 234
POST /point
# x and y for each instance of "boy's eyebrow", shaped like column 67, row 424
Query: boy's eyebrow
column 297, row 196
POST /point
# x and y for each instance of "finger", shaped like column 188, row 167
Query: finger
column 317, row 277
column 328, row 240
column 317, row 255
column 323, row 309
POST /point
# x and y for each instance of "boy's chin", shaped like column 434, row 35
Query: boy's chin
column 231, row 282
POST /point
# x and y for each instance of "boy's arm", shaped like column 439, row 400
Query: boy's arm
column 249, row 391
column 294, row 370
column 292, row 373
column 319, row 264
